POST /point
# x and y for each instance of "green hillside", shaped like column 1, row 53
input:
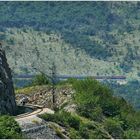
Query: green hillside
column 27, row 48
column 92, row 38
column 86, row 109
column 86, row 38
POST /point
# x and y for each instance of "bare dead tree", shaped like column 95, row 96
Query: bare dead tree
column 54, row 80
column 49, row 70
column 52, row 76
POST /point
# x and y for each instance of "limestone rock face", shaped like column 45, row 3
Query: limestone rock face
column 7, row 97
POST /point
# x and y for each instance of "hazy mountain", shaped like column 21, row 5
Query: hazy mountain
column 83, row 38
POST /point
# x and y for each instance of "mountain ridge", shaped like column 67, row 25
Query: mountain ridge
column 104, row 31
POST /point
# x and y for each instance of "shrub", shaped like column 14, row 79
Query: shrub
column 40, row 79
column 110, row 106
column 97, row 114
column 74, row 134
column 90, row 131
column 132, row 134
column 96, row 134
column 131, row 120
column 113, row 126
column 74, row 122
column 84, row 132
column 63, row 118
column 9, row 129
column 94, row 113
column 95, row 99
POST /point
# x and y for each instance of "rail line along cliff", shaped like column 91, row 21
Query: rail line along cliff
column 7, row 97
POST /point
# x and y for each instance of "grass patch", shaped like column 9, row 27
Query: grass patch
column 9, row 128
column 58, row 131
column 76, row 126
column 63, row 118
column 32, row 89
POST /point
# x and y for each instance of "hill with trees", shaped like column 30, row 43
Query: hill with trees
column 87, row 109
column 81, row 38
column 89, row 38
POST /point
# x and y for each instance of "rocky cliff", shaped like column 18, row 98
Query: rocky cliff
column 7, row 97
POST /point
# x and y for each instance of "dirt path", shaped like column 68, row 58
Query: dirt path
column 34, row 127
column 32, row 117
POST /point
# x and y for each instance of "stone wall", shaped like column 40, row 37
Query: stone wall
column 7, row 97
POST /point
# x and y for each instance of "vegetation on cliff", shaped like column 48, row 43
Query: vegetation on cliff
column 9, row 128
column 82, row 38
column 96, row 103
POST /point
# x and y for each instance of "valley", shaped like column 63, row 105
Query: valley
column 69, row 70
column 101, row 41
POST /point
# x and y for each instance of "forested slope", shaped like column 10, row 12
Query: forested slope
column 107, row 32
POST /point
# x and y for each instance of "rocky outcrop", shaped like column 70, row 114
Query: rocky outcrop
column 42, row 96
column 7, row 97
column 39, row 131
